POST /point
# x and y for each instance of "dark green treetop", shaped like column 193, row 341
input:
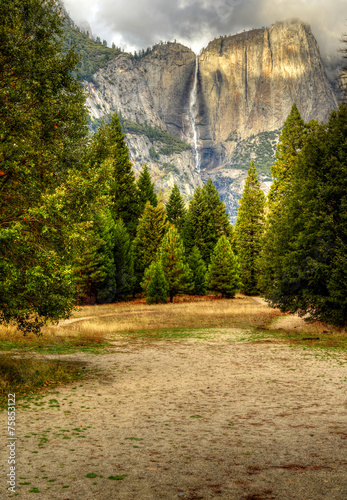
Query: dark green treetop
column 145, row 190
column 108, row 145
column 173, row 261
column 175, row 209
column 223, row 273
column 311, row 243
column 206, row 221
column 149, row 234
column 155, row 285
column 198, row 269
column 248, row 231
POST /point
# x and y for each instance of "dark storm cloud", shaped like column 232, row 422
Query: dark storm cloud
column 140, row 23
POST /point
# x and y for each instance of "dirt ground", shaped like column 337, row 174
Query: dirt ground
column 224, row 417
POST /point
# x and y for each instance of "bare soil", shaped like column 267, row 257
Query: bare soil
column 223, row 417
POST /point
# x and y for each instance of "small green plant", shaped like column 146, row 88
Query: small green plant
column 118, row 478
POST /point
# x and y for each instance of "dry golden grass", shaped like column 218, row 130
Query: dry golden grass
column 241, row 312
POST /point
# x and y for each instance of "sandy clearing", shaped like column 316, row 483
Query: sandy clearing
column 207, row 419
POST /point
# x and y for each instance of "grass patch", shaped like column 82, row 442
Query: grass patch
column 170, row 320
column 118, row 478
column 52, row 341
column 27, row 376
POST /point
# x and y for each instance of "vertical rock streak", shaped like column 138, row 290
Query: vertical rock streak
column 193, row 110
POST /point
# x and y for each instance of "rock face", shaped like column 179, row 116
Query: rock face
column 246, row 85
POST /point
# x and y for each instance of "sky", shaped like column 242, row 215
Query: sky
column 137, row 24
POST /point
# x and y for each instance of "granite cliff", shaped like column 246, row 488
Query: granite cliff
column 228, row 104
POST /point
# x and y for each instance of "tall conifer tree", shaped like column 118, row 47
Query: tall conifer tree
column 224, row 271
column 173, row 262
column 109, row 146
column 312, row 273
column 175, row 209
column 292, row 140
column 145, row 190
column 198, row 268
column 149, row 234
column 206, row 221
column 248, row 231
column 124, row 260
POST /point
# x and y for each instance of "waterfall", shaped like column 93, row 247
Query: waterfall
column 193, row 110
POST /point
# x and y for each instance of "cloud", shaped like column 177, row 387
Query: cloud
column 135, row 24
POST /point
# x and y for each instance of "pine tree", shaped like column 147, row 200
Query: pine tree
column 224, row 271
column 248, row 231
column 290, row 143
column 175, row 209
column 292, row 140
column 149, row 234
column 173, row 262
column 124, row 259
column 198, row 268
column 145, row 190
column 312, row 275
column 109, row 146
column 206, row 221
column 154, row 284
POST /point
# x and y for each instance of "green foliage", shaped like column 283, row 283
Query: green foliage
column 155, row 285
column 223, row 273
column 261, row 147
column 47, row 196
column 173, row 262
column 153, row 154
column 292, row 139
column 198, row 269
column 124, row 260
column 108, row 145
column 248, row 231
column 94, row 268
column 145, row 190
column 149, row 234
column 206, row 221
column 172, row 144
column 175, row 209
column 92, row 55
column 311, row 244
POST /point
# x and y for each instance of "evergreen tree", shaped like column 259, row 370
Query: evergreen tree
column 311, row 249
column 109, row 146
column 149, row 234
column 123, row 257
column 105, row 287
column 173, row 262
column 248, row 231
column 224, row 271
column 206, row 221
column 95, row 266
column 155, row 285
column 292, row 140
column 290, row 144
column 175, row 209
column 145, row 190
column 198, row 269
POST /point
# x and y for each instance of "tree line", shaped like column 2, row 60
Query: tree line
column 76, row 225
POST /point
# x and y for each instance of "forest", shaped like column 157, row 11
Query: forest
column 77, row 227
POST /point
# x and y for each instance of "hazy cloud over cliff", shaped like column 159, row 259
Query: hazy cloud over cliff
column 135, row 24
